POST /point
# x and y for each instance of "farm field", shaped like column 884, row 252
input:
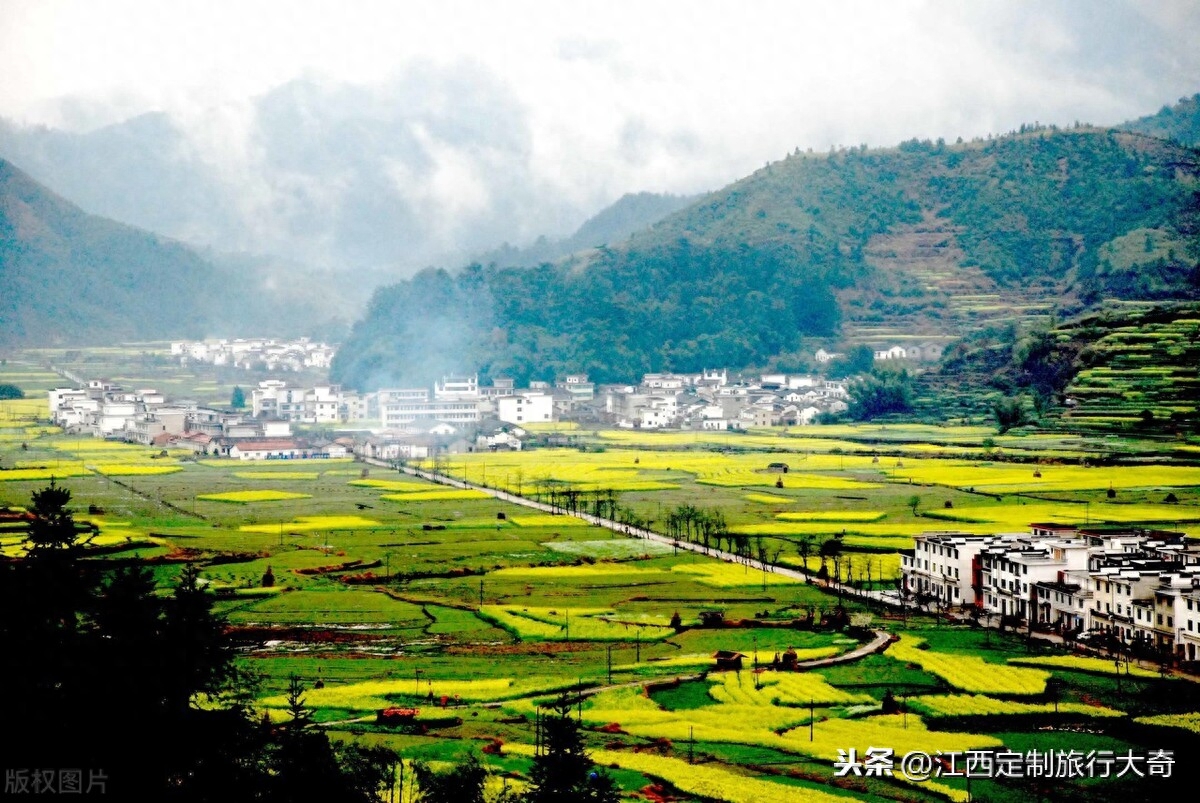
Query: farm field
column 391, row 590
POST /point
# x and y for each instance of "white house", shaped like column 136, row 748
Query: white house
column 893, row 353
column 525, row 408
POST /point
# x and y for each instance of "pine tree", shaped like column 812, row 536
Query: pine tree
column 565, row 772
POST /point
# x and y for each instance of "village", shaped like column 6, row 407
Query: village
column 280, row 420
column 1131, row 590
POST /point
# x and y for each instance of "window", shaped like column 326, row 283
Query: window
column 1160, row 618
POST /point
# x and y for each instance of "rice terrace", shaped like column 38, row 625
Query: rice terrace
column 721, row 613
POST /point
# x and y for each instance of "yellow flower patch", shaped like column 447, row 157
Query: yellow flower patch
column 309, row 523
column 968, row 672
column 244, row 497
column 133, row 470
column 436, row 496
column 831, row 515
column 391, row 485
column 39, row 474
column 547, row 520
column 727, row 575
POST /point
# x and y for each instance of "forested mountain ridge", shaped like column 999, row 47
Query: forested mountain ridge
column 614, row 223
column 72, row 277
column 1180, row 122
column 67, row 277
column 1042, row 221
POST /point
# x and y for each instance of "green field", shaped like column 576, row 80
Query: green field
column 392, row 590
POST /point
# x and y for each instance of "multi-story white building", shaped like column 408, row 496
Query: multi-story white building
column 273, row 398
column 1188, row 620
column 944, row 566
column 1063, row 604
column 461, row 388
column 398, row 409
column 1010, row 569
column 525, row 408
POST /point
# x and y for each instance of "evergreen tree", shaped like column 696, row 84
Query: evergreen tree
column 237, row 400
column 564, row 773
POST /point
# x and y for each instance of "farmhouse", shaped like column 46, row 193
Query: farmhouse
column 728, row 659
column 273, row 449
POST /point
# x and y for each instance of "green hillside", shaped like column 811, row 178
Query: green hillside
column 70, row 278
column 926, row 240
column 1180, row 122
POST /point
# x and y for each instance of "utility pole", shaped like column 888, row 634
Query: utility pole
column 812, row 717
column 608, row 649
column 481, row 593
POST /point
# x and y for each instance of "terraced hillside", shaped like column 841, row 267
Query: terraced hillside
column 929, row 292
column 1143, row 369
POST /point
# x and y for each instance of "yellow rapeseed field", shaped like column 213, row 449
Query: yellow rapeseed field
column 310, row 523
column 727, row 575
column 244, row 497
column 968, row 672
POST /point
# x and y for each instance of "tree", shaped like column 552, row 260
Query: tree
column 88, row 646
column 237, row 400
column 9, row 391
column 881, row 394
column 1009, row 413
column 831, row 549
column 804, row 548
column 53, row 527
column 564, row 773
column 461, row 784
column 914, row 502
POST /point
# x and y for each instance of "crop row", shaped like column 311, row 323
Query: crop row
column 779, row 688
column 968, row 672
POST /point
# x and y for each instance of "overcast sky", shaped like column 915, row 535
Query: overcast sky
column 620, row 96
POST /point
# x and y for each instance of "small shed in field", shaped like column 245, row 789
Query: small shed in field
column 728, row 659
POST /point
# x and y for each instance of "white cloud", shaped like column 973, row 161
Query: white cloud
column 613, row 97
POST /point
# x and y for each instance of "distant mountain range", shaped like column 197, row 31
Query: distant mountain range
column 67, row 277
column 928, row 241
column 427, row 168
column 613, row 224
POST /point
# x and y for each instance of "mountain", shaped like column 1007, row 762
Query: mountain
column 67, row 277
column 617, row 222
column 426, row 167
column 1180, row 122
column 927, row 241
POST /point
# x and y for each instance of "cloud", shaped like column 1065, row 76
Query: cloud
column 404, row 134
